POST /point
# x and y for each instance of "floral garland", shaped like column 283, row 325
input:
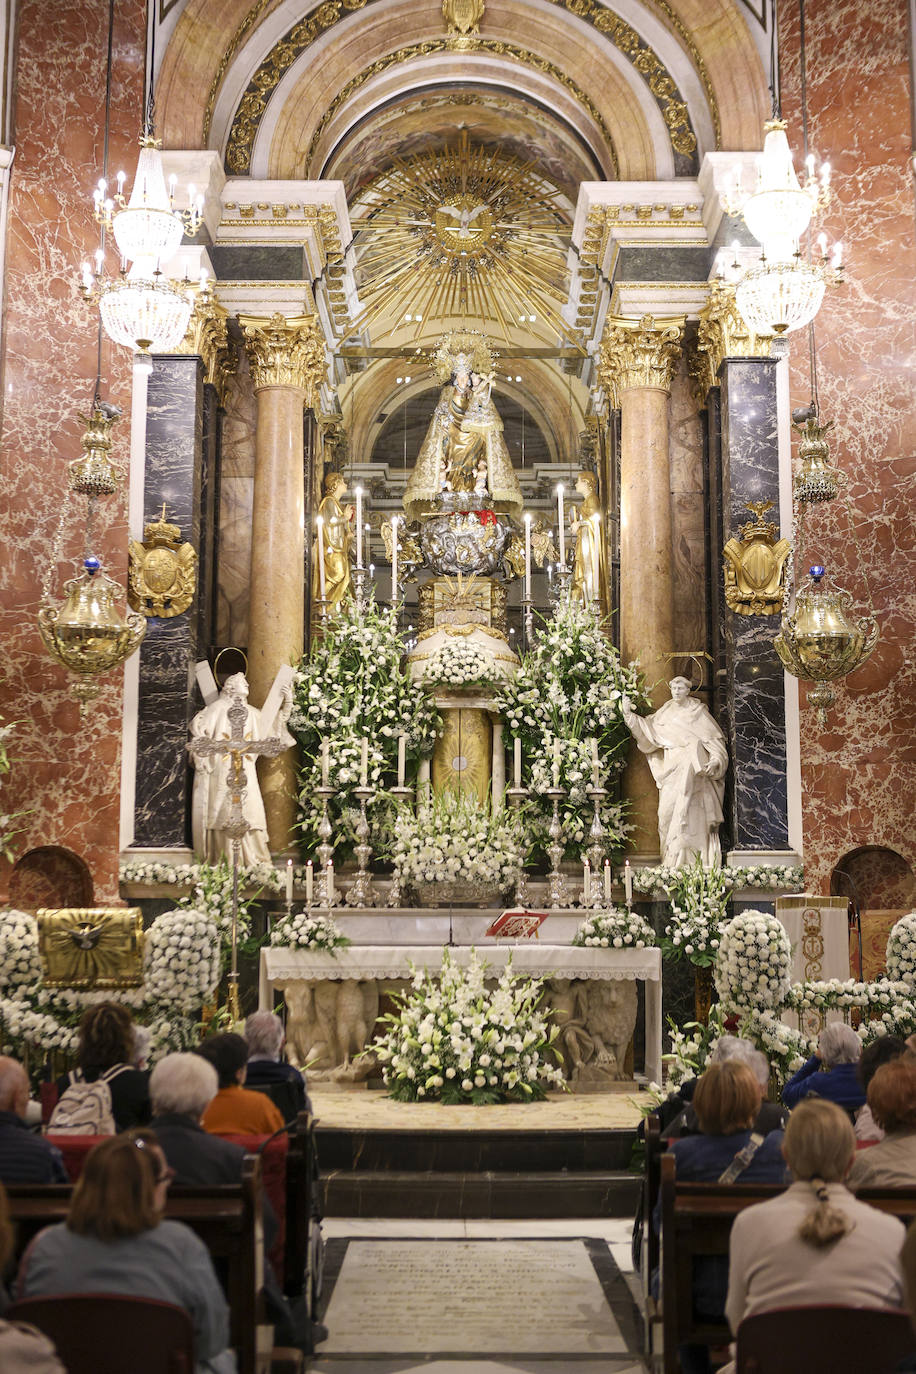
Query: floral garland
column 615, row 929
column 181, row 959
column 20, row 962
column 258, row 876
column 303, row 931
column 567, row 692
column 776, row 877
column 453, row 1039
column 699, row 897
column 455, row 838
column 753, row 961
column 459, row 662
column 901, row 950
column 353, row 686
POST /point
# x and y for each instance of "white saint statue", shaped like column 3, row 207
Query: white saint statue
column 211, row 803
column 688, row 758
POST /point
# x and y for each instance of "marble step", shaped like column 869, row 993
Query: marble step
column 584, row 1193
column 480, row 1150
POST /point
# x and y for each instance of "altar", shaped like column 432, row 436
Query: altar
column 281, row 967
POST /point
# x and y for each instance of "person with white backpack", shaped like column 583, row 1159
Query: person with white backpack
column 106, row 1093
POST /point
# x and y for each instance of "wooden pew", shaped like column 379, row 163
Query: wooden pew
column 228, row 1219
column 697, row 1221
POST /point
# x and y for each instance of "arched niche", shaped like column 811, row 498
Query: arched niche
column 50, row 876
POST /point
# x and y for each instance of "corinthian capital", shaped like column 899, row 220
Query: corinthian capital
column 285, row 351
column 639, row 353
column 207, row 337
column 722, row 334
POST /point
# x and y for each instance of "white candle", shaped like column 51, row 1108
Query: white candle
column 394, row 564
column 325, row 761
column 321, row 582
column 596, row 535
column 527, row 560
column 628, row 881
column 594, row 762
column 330, row 882
column 364, row 763
column 402, row 759
column 607, row 881
column 561, row 525
column 556, row 762
column 586, row 881
column 517, row 761
column 289, row 880
column 359, row 529
column 309, row 880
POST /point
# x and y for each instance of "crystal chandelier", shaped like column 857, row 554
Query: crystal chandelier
column 778, row 211
column 142, row 310
column 782, row 295
column 148, row 225
column 821, row 640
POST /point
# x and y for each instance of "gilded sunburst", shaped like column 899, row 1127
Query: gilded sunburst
column 464, row 233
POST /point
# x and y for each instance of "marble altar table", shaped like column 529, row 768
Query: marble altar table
column 281, row 965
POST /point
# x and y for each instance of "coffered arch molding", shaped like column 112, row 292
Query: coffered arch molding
column 217, row 46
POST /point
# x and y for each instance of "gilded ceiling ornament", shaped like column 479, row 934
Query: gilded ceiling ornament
column 162, row 572
column 462, row 18
column 286, row 351
column 639, row 353
column 91, row 947
column 755, row 565
column 464, row 231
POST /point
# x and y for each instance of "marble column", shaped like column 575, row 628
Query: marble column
column 180, row 471
column 287, row 362
column 753, row 711
column 636, row 364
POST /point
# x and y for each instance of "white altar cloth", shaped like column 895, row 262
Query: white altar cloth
column 281, row 965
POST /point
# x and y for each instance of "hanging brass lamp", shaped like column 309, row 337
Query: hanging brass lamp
column 87, row 633
column 817, row 479
column 821, row 640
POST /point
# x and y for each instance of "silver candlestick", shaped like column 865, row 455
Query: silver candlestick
column 595, row 851
column 402, row 794
column 515, row 797
column 360, row 578
column 528, row 620
column 362, row 893
column 557, row 894
column 326, row 894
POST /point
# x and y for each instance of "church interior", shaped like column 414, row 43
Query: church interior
column 459, row 589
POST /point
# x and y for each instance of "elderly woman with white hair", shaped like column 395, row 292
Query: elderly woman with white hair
column 181, row 1088
column 831, row 1072
column 267, row 1070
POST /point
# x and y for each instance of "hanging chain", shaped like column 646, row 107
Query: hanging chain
column 56, row 550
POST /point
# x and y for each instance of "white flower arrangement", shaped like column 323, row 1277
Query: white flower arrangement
column 901, row 950
column 256, row 876
column 354, row 685
column 786, row 1049
column 569, row 689
column 766, row 877
column 20, row 963
column 615, row 928
column 181, row 959
column 691, row 1047
column 699, row 897
column 753, row 961
column 304, row 931
column 460, row 662
column 212, row 897
column 454, row 1039
column 455, row 838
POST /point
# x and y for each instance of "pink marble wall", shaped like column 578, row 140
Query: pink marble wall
column 859, row 773
column 66, row 771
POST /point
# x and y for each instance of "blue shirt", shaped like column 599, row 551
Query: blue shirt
column 839, row 1084
column 25, row 1157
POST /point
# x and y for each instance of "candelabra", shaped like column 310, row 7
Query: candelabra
column 515, row 796
column 595, row 851
column 528, row 620
column 362, row 893
column 360, row 578
column 557, row 895
column 402, row 794
column 327, row 895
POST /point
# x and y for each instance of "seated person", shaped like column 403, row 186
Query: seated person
column 24, row 1157
column 880, row 1051
column 815, row 1243
column 908, row 1264
column 235, row 1110
column 726, row 1100
column 831, row 1072
column 892, row 1099
column 115, row 1241
column 266, row 1036
column 106, row 1048
column 771, row 1116
column 22, row 1348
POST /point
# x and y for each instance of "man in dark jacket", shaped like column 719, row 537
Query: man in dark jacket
column 24, row 1157
column 267, row 1071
